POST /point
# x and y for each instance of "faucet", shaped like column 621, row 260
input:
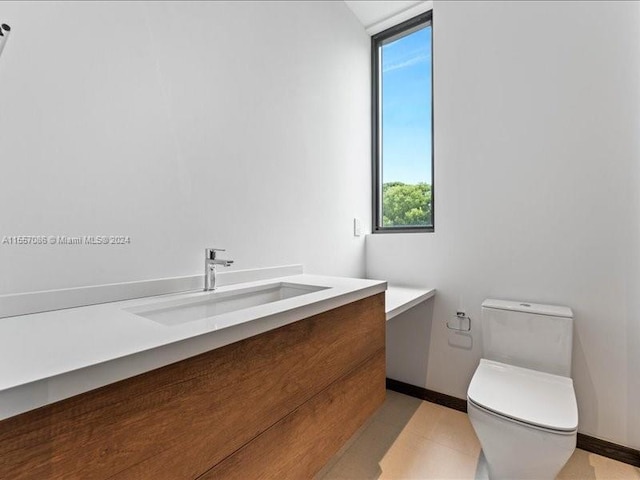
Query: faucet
column 210, row 263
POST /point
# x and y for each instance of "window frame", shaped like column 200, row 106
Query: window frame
column 376, row 153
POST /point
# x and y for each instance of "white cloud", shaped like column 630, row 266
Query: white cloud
column 407, row 63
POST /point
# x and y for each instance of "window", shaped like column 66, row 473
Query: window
column 402, row 127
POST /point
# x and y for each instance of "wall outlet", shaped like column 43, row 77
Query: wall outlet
column 357, row 227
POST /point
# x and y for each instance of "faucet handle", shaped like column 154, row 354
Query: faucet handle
column 210, row 253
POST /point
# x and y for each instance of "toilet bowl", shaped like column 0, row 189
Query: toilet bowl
column 521, row 400
column 526, row 421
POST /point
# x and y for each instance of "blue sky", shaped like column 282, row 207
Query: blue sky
column 406, row 100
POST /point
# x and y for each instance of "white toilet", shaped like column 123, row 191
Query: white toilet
column 521, row 401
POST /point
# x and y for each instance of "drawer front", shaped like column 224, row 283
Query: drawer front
column 299, row 445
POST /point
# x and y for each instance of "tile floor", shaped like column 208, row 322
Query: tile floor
column 411, row 439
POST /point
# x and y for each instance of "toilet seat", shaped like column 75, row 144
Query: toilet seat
column 470, row 404
column 537, row 399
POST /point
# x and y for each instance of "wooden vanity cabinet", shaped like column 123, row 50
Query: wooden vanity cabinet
column 277, row 405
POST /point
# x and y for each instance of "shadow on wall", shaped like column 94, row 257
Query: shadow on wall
column 633, row 379
column 583, row 384
column 633, row 350
column 408, row 338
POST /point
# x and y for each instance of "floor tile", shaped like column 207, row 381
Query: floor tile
column 454, row 430
column 426, row 459
column 397, row 408
column 589, row 466
column 376, row 439
column 411, row 439
column 425, row 419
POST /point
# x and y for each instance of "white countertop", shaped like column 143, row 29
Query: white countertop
column 400, row 299
column 49, row 356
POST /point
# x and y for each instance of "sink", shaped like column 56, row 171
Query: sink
column 212, row 304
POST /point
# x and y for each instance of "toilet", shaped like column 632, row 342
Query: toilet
column 521, row 401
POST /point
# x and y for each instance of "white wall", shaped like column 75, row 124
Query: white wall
column 537, row 121
column 184, row 125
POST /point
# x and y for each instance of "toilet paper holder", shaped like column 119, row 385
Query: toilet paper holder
column 5, row 30
column 460, row 323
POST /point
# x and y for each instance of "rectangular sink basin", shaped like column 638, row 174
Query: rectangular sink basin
column 210, row 305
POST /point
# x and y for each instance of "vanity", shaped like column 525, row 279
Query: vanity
column 265, row 378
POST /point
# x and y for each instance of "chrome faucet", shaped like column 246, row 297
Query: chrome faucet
column 210, row 263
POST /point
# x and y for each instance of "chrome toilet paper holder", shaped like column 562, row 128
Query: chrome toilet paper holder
column 462, row 322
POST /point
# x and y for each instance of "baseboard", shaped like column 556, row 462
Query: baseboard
column 429, row 395
column 609, row 449
column 584, row 442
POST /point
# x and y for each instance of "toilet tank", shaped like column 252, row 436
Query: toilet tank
column 529, row 335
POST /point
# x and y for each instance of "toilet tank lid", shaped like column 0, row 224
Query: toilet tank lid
column 535, row 308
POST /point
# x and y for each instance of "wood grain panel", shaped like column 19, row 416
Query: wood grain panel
column 176, row 422
column 299, row 445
